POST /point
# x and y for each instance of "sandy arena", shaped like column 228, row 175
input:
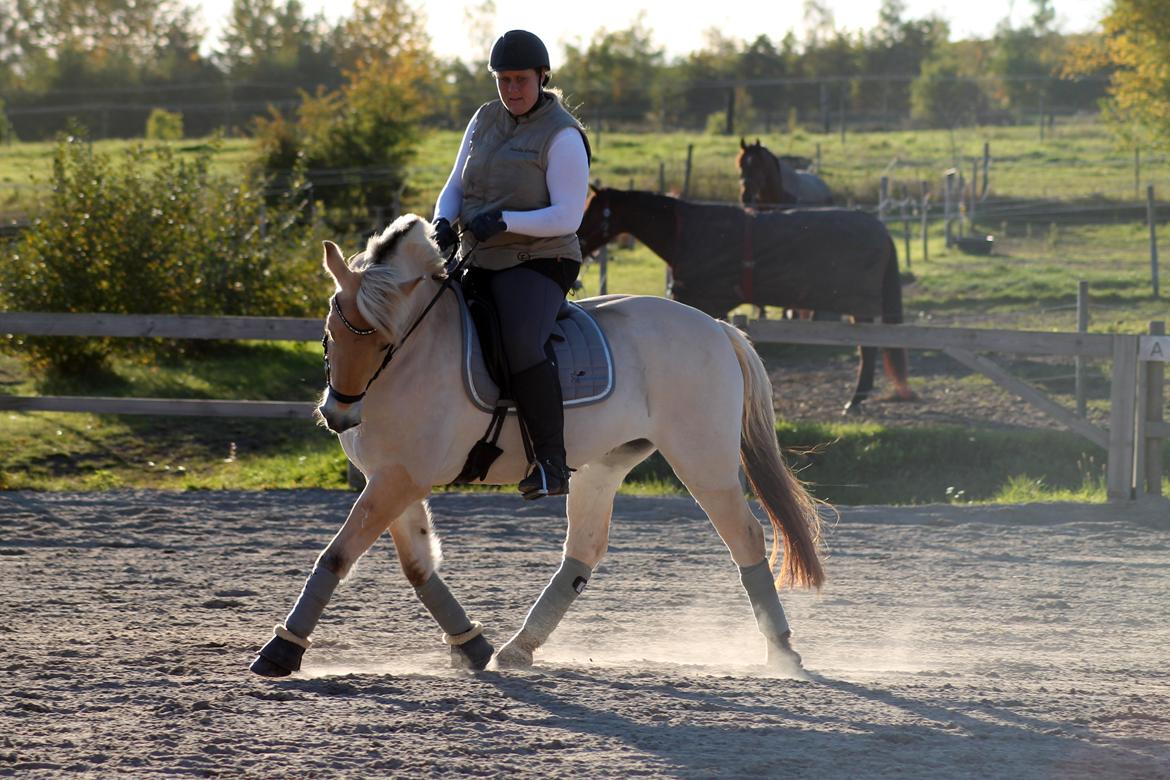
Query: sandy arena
column 1011, row 642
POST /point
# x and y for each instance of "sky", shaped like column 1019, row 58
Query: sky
column 680, row 33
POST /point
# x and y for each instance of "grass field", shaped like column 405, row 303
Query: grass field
column 1030, row 282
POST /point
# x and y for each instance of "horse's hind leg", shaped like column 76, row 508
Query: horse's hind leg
column 419, row 553
column 710, row 473
column 865, row 375
column 385, row 497
column 590, row 508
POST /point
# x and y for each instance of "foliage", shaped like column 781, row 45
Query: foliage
column 7, row 133
column 941, row 97
column 152, row 233
column 354, row 143
column 163, row 125
column 1135, row 49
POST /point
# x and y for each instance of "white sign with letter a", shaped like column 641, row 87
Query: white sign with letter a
column 1154, row 348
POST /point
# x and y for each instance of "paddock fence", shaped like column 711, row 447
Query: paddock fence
column 1132, row 440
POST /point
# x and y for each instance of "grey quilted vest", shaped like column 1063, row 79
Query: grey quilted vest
column 505, row 169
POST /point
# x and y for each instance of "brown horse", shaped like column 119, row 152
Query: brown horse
column 722, row 256
column 767, row 181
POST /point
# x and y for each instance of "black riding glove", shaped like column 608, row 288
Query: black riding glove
column 444, row 235
column 488, row 224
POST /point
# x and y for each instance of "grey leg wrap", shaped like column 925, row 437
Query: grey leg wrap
column 564, row 587
column 757, row 581
column 442, row 605
column 469, row 647
column 312, row 601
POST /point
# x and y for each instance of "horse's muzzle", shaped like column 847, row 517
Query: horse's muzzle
column 339, row 418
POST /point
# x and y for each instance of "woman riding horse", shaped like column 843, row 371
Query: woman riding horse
column 519, row 185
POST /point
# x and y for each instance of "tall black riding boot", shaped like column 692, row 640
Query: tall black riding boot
column 537, row 391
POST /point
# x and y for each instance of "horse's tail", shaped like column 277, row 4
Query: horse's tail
column 894, row 359
column 791, row 510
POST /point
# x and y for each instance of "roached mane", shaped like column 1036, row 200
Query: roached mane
column 402, row 253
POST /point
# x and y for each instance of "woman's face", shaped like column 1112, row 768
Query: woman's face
column 518, row 89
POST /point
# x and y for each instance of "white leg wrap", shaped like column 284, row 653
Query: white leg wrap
column 458, row 639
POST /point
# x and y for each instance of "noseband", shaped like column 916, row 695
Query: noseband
column 346, row 398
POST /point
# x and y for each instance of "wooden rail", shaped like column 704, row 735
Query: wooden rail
column 1128, row 473
column 180, row 326
column 1132, row 440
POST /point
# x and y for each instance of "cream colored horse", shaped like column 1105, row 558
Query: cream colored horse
column 687, row 385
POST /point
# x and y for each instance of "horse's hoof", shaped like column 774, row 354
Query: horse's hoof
column 512, row 656
column 278, row 658
column 852, row 409
column 473, row 654
column 784, row 660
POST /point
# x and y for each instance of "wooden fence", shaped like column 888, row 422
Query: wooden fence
column 1132, row 440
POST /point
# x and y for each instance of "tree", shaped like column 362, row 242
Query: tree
column 1135, row 49
column 943, row 95
column 611, row 75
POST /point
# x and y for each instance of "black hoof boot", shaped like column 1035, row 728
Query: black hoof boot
column 473, row 654
column 278, row 658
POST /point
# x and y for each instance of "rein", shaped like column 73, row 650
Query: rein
column 390, row 349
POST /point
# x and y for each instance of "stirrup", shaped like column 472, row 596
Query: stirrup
column 547, row 478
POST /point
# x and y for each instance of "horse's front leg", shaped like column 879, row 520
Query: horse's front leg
column 419, row 553
column 386, row 496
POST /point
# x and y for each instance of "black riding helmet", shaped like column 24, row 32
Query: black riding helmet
column 519, row 50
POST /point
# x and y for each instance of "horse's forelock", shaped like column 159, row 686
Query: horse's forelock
column 399, row 255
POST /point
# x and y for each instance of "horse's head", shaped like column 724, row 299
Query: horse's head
column 599, row 224
column 757, row 174
column 373, row 304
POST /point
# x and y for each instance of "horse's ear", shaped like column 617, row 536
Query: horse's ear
column 334, row 263
column 595, row 189
column 758, row 142
column 742, row 143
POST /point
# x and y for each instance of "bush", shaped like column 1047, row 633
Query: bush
column 354, row 144
column 153, row 234
column 7, row 133
column 163, row 125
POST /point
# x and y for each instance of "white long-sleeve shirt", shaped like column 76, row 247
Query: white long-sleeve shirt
column 567, row 178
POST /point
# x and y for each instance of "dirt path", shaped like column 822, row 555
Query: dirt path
column 1018, row 642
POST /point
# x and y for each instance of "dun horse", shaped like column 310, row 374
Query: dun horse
column 767, row 181
column 404, row 417
column 722, row 256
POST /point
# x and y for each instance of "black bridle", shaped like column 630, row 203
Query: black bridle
column 390, row 349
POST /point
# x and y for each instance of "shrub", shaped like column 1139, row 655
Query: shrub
column 163, row 125
column 151, row 233
column 354, row 143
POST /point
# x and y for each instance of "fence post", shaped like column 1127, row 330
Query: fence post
column 1152, row 416
column 1122, row 403
column 818, row 170
column 661, row 177
column 1137, row 173
column 905, row 203
column 925, row 221
column 603, row 270
column 949, row 205
column 1151, row 216
column 986, row 169
column 1082, row 327
column 974, row 197
column 687, row 174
